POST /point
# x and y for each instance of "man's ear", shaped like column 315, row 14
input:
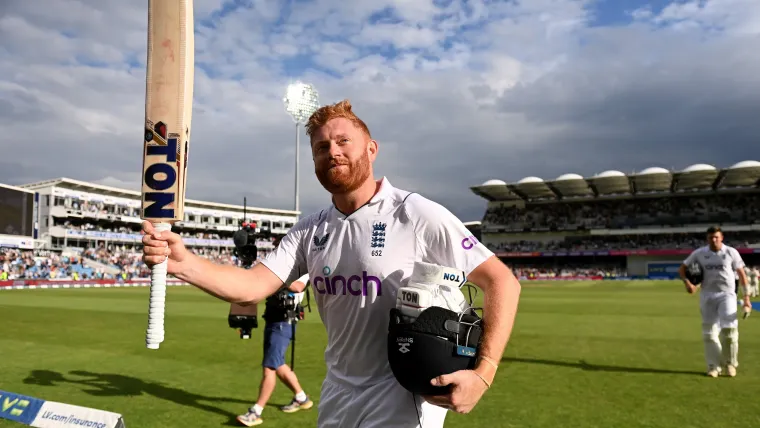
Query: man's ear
column 372, row 148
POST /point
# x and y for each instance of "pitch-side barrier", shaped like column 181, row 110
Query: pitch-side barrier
column 41, row 413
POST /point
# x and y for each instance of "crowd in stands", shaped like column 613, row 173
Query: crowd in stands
column 95, row 207
column 626, row 242
column 16, row 264
column 114, row 262
column 124, row 229
column 566, row 271
column 628, row 213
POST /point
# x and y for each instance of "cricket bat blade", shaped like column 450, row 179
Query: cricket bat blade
column 168, row 115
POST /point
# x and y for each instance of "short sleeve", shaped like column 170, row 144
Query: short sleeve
column 304, row 278
column 692, row 258
column 288, row 260
column 443, row 239
column 737, row 261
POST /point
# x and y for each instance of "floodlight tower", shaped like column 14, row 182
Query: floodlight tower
column 301, row 100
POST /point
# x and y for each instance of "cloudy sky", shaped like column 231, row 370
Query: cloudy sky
column 456, row 92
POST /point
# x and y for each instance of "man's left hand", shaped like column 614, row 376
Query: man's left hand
column 466, row 390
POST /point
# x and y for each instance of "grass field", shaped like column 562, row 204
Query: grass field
column 601, row 354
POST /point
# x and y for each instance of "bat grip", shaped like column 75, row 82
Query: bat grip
column 155, row 333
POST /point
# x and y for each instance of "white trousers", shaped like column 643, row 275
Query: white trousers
column 719, row 309
column 386, row 404
column 720, row 328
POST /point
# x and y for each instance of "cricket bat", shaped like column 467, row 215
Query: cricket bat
column 168, row 113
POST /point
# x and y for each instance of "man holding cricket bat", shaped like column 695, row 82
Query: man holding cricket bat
column 357, row 252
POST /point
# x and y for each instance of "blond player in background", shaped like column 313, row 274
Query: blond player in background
column 753, row 275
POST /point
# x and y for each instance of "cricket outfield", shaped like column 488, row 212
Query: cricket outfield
column 583, row 354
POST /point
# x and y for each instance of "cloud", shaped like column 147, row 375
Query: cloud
column 455, row 92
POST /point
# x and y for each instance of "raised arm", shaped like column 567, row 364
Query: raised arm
column 229, row 283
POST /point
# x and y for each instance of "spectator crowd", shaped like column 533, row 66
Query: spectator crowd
column 116, row 260
column 16, row 264
column 567, row 271
column 671, row 211
column 134, row 230
column 112, row 262
column 624, row 242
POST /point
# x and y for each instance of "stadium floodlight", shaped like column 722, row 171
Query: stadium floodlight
column 301, row 100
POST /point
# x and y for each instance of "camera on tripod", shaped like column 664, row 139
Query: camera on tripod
column 243, row 317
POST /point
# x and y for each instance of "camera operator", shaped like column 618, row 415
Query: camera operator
column 280, row 317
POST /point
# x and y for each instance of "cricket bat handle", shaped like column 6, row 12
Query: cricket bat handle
column 155, row 333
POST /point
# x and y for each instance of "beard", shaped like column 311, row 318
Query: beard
column 345, row 179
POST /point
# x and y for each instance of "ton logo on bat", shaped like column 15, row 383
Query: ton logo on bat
column 160, row 176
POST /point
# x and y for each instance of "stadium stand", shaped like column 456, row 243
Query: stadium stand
column 613, row 225
column 610, row 225
column 87, row 231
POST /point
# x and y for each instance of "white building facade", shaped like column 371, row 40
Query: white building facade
column 77, row 214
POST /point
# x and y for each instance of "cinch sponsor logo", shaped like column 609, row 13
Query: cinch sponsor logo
column 354, row 285
column 469, row 242
column 713, row 267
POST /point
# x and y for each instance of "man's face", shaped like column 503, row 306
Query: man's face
column 714, row 240
column 343, row 156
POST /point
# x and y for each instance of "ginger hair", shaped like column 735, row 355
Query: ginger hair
column 326, row 113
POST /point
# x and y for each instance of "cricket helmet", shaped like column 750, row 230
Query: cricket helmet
column 438, row 342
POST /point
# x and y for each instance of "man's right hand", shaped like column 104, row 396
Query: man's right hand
column 157, row 246
column 690, row 288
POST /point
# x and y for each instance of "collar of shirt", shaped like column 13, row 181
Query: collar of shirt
column 386, row 189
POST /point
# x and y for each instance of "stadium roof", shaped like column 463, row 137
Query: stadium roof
column 697, row 177
column 18, row 189
column 101, row 189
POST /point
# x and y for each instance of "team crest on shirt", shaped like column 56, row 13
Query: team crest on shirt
column 320, row 243
column 377, row 242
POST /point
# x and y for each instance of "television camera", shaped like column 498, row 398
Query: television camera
column 245, row 239
column 243, row 317
column 284, row 305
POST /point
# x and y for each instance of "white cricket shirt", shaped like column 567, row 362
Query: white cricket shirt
column 718, row 267
column 356, row 264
